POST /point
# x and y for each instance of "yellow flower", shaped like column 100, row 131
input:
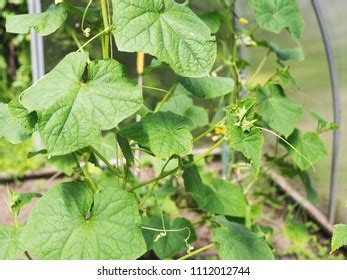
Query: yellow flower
column 243, row 21
column 221, row 130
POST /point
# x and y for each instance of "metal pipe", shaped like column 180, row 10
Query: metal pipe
column 336, row 107
column 36, row 45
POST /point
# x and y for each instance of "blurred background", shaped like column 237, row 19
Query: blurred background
column 311, row 75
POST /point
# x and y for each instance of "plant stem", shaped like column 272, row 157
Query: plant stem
column 212, row 148
column 154, row 88
column 93, row 38
column 114, row 170
column 170, row 172
column 73, row 35
column 198, row 251
column 253, row 30
column 86, row 175
column 166, row 97
column 260, row 67
column 165, row 174
column 106, row 48
column 205, row 133
column 84, row 15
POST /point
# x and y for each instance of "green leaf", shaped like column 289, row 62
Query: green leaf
column 236, row 242
column 242, row 135
column 248, row 143
column 165, row 133
column 198, row 116
column 308, row 144
column 65, row 163
column 12, row 130
column 323, row 124
column 311, row 193
column 181, row 104
column 296, row 232
column 168, row 30
column 107, row 146
column 194, row 185
column 339, row 238
column 69, row 223
column 21, row 115
column 281, row 113
column 126, row 150
column 284, row 78
column 10, row 247
column 225, row 198
column 212, row 20
column 72, row 113
column 17, row 200
column 43, row 23
column 173, row 242
column 208, row 87
column 221, row 198
column 276, row 15
column 295, row 54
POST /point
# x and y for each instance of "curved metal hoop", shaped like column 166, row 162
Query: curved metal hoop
column 336, row 107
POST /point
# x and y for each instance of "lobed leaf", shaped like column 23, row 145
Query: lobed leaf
column 70, row 223
column 276, row 15
column 236, row 242
column 308, row 144
column 165, row 133
column 71, row 114
column 281, row 113
column 165, row 29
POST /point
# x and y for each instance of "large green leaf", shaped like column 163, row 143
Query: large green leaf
column 10, row 247
column 221, row 198
column 69, row 223
column 165, row 133
column 236, row 242
column 12, row 130
column 43, row 23
column 309, row 145
column 208, row 87
column 171, row 243
column 339, row 238
column 167, row 30
column 182, row 104
column 72, row 113
column 281, row 113
column 276, row 15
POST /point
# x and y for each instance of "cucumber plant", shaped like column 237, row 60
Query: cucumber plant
column 93, row 120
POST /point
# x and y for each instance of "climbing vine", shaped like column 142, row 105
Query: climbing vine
column 93, row 117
